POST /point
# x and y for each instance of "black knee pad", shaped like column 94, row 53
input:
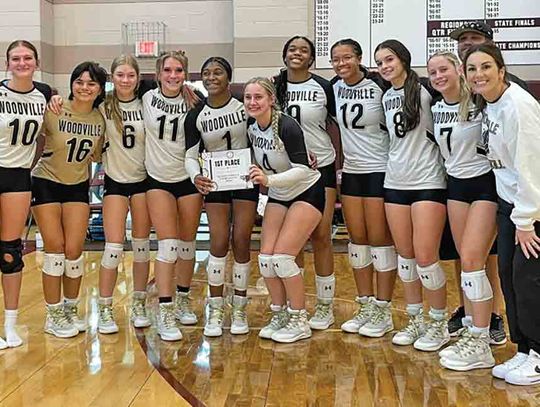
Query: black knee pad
column 11, row 256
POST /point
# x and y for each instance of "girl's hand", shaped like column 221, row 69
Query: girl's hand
column 203, row 184
column 312, row 159
column 257, row 176
column 55, row 104
column 529, row 242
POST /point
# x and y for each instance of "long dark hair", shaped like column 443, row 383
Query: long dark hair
column 96, row 72
column 411, row 88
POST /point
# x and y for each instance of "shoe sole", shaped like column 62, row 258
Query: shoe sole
column 241, row 332
column 432, row 349
column 170, row 339
column 375, row 334
column 292, row 340
column 320, row 327
column 497, row 343
column 474, row 366
column 190, row 322
column 108, row 332
column 145, row 325
column 212, row 334
column 51, row 332
column 522, row 384
column 497, row 376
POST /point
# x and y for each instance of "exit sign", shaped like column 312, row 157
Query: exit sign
column 146, row 49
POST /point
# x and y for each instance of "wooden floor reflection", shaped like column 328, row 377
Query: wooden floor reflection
column 135, row 368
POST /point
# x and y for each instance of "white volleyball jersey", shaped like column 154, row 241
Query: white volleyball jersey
column 414, row 160
column 21, row 117
column 124, row 151
column 511, row 129
column 460, row 142
column 310, row 102
column 292, row 156
column 363, row 131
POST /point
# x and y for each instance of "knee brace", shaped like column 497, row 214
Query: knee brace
column 112, row 255
column 432, row 276
column 141, row 250
column 266, row 268
column 11, row 256
column 241, row 275
column 326, row 287
column 54, row 264
column 74, row 268
column 167, row 250
column 407, row 269
column 186, row 250
column 384, row 258
column 215, row 269
column 476, row 286
column 359, row 255
column 285, row 266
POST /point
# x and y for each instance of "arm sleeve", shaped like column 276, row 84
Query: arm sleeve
column 193, row 143
column 328, row 89
column 44, row 89
column 145, row 85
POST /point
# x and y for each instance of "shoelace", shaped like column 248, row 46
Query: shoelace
column 138, row 309
column 378, row 315
column 470, row 345
column 215, row 315
column 435, row 330
column 278, row 320
column 105, row 314
column 321, row 311
column 60, row 318
column 239, row 313
column 167, row 317
column 71, row 312
column 184, row 304
column 412, row 327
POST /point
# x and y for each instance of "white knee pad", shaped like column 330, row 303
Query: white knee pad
column 112, row 255
column 432, row 276
column 141, row 250
column 241, row 275
column 74, row 268
column 359, row 255
column 407, row 269
column 215, row 269
column 186, row 250
column 285, row 266
column 167, row 250
column 326, row 287
column 54, row 264
column 266, row 268
column 384, row 258
column 476, row 286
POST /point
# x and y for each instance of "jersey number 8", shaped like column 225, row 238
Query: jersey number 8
column 399, row 125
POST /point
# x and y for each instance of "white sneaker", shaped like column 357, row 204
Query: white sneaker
column 500, row 371
column 280, row 317
column 528, row 373
column 360, row 317
column 239, row 322
column 3, row 344
column 472, row 353
column 464, row 337
column 380, row 322
column 106, row 323
column 139, row 316
column 435, row 337
column 167, row 329
column 184, row 312
column 296, row 329
column 57, row 323
column 415, row 329
column 323, row 316
column 71, row 309
column 214, row 321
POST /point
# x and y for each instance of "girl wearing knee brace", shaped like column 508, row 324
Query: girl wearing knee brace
column 295, row 207
column 415, row 196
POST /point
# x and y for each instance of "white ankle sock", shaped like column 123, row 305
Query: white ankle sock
column 10, row 320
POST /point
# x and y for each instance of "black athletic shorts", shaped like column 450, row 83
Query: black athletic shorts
column 410, row 196
column 124, row 189
column 176, row 189
column 480, row 188
column 226, row 197
column 15, row 180
column 328, row 175
column 45, row 191
column 363, row 185
column 314, row 195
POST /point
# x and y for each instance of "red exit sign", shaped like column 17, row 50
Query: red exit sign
column 146, row 49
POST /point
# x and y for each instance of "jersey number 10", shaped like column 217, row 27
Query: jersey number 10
column 29, row 132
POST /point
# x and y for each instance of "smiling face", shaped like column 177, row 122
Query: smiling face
column 346, row 63
column 443, row 75
column 484, row 75
column 171, row 77
column 257, row 101
column 125, row 80
column 390, row 67
column 298, row 55
column 467, row 40
column 215, row 79
column 85, row 89
column 22, row 62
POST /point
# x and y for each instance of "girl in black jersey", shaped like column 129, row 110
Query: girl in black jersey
column 219, row 124
column 294, row 209
column 18, row 131
column 309, row 99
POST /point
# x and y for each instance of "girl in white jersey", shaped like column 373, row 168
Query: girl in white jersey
column 510, row 130
column 22, row 105
column 414, row 197
column 294, row 209
column 174, row 203
column 309, row 99
column 219, row 124
column 472, row 206
column 365, row 147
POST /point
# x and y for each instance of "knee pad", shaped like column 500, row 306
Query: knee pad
column 384, row 258
column 215, row 269
column 54, row 264
column 359, row 255
column 432, row 276
column 141, row 250
column 407, row 269
column 285, row 266
column 112, row 255
column 167, row 251
column 241, row 275
column 186, row 250
column 266, row 268
column 74, row 268
column 326, row 287
column 476, row 286
column 11, row 256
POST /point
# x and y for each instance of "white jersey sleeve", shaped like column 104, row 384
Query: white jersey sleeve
column 310, row 103
column 414, row 161
column 511, row 127
column 21, row 117
column 360, row 117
